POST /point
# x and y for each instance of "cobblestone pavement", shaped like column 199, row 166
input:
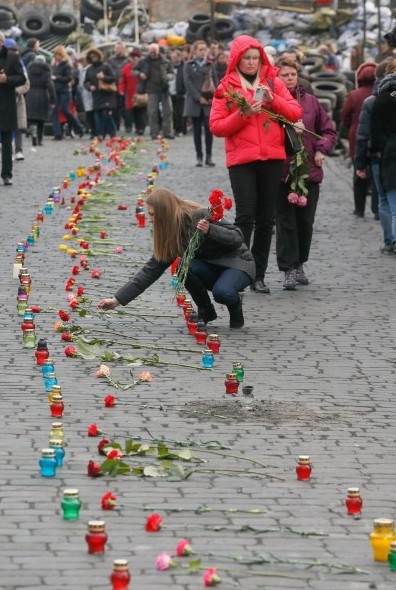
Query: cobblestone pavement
column 322, row 363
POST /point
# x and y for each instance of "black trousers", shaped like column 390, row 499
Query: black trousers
column 255, row 187
column 294, row 227
column 361, row 188
column 6, row 154
column 198, row 123
column 178, row 120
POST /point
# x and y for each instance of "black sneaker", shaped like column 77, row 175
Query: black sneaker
column 199, row 163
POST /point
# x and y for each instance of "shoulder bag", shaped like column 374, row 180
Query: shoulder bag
column 292, row 140
column 208, row 86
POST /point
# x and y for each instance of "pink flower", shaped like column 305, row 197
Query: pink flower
column 118, row 250
column 70, row 297
column 293, row 198
column 164, row 561
column 183, row 548
column 103, row 371
column 145, row 377
column 302, row 201
column 210, row 577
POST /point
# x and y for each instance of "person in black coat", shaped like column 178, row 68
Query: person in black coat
column 383, row 135
column 62, row 75
column 39, row 97
column 222, row 263
column 11, row 76
column 104, row 101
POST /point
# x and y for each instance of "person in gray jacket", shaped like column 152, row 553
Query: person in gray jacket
column 154, row 73
column 197, row 105
column 222, row 264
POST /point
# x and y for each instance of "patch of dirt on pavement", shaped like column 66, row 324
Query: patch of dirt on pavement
column 250, row 410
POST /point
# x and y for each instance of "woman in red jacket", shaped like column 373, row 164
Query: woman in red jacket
column 254, row 142
column 127, row 87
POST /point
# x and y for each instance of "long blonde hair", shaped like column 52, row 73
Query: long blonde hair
column 61, row 51
column 171, row 218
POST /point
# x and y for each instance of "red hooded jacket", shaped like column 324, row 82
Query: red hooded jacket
column 248, row 139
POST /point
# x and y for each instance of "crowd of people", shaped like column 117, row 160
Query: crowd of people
column 244, row 93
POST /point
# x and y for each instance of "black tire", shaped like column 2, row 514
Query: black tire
column 197, row 21
column 224, row 28
column 10, row 11
column 313, row 63
column 92, row 9
column 34, row 24
column 324, row 94
column 63, row 23
column 118, row 5
column 204, row 33
column 336, row 88
column 191, row 36
column 328, row 75
column 6, row 15
column 6, row 24
column 325, row 103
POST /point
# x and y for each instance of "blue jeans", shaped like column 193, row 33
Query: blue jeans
column 384, row 207
column 225, row 283
column 62, row 100
column 105, row 123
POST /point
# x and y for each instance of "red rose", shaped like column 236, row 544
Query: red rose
column 96, row 274
column 93, row 430
column 35, row 308
column 67, row 226
column 215, row 200
column 69, row 284
column 102, row 235
column 153, row 523
column 74, row 303
column 65, row 317
column 114, row 454
column 80, row 291
column 72, row 199
column 103, row 443
column 217, row 213
column 70, row 351
column 122, row 207
column 75, row 270
column 108, row 502
column 110, row 401
column 93, row 469
column 84, row 245
column 210, row 577
column 66, row 337
column 227, row 203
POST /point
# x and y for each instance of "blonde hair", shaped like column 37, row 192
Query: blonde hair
column 171, row 219
column 195, row 46
column 61, row 51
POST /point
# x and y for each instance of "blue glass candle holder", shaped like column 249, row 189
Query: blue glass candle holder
column 57, row 446
column 208, row 359
column 49, row 381
column 47, row 463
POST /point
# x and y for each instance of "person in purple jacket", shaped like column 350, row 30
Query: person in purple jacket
column 294, row 225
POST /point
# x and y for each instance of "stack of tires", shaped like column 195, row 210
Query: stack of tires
column 34, row 23
column 8, row 17
column 200, row 28
column 93, row 9
column 330, row 87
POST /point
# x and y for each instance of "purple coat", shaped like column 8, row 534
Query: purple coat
column 315, row 119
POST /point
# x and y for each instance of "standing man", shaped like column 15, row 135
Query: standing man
column 117, row 61
column 30, row 52
column 11, row 76
column 154, row 73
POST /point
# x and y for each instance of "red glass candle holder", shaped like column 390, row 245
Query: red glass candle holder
column 120, row 576
column 180, row 298
column 56, row 406
column 213, row 342
column 192, row 326
column 303, row 468
column 231, row 383
column 201, row 336
column 354, row 501
column 96, row 536
column 141, row 219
